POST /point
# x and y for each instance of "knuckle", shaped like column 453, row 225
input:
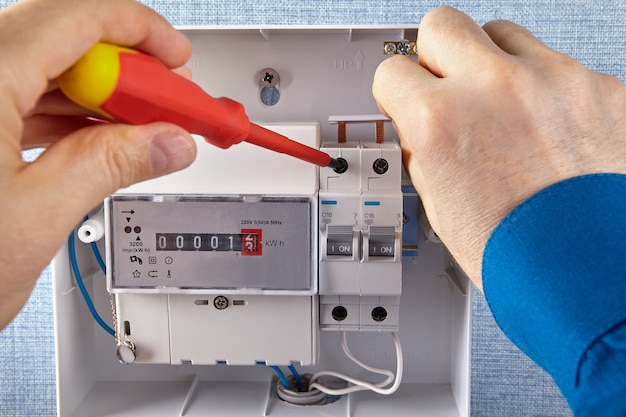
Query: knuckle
column 504, row 75
column 435, row 16
column 392, row 81
column 564, row 67
column 120, row 166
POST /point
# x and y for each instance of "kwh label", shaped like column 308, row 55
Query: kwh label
column 274, row 243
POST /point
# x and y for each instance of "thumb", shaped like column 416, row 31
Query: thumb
column 79, row 171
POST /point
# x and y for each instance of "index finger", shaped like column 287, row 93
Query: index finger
column 450, row 42
column 66, row 29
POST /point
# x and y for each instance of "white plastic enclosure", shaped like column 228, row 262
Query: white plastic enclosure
column 323, row 72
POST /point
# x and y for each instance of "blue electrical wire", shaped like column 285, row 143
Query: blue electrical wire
column 96, row 252
column 83, row 290
column 296, row 376
column 281, row 376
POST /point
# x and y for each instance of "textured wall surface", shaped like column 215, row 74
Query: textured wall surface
column 504, row 381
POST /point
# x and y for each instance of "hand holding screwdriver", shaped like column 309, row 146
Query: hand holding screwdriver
column 131, row 87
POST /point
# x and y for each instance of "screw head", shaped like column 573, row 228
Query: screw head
column 379, row 314
column 268, row 77
column 339, row 313
column 390, row 48
column 404, row 48
column 380, row 166
column 220, row 302
column 343, row 167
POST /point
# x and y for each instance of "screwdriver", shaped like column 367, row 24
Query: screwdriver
column 131, row 87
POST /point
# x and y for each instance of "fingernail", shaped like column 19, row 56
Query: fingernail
column 171, row 152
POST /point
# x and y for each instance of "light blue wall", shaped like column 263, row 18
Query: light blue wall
column 504, row 382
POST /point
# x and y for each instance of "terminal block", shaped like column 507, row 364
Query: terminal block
column 360, row 230
column 403, row 47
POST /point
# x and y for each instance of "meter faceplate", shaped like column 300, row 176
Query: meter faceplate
column 202, row 243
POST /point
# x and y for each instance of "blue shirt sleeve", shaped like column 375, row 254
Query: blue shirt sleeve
column 554, row 276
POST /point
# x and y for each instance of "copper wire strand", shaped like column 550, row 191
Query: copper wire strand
column 380, row 131
column 341, row 132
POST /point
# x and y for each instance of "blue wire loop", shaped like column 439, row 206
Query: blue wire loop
column 83, row 290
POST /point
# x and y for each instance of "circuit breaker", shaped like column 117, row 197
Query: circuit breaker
column 360, row 229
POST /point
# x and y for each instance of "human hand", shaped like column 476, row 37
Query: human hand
column 490, row 116
column 85, row 161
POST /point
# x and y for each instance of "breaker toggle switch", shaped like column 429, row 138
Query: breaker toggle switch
column 340, row 241
column 382, row 241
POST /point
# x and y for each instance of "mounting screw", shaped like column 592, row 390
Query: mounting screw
column 269, row 87
column 268, row 77
column 220, row 302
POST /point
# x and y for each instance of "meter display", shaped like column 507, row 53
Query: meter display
column 247, row 243
column 168, row 243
